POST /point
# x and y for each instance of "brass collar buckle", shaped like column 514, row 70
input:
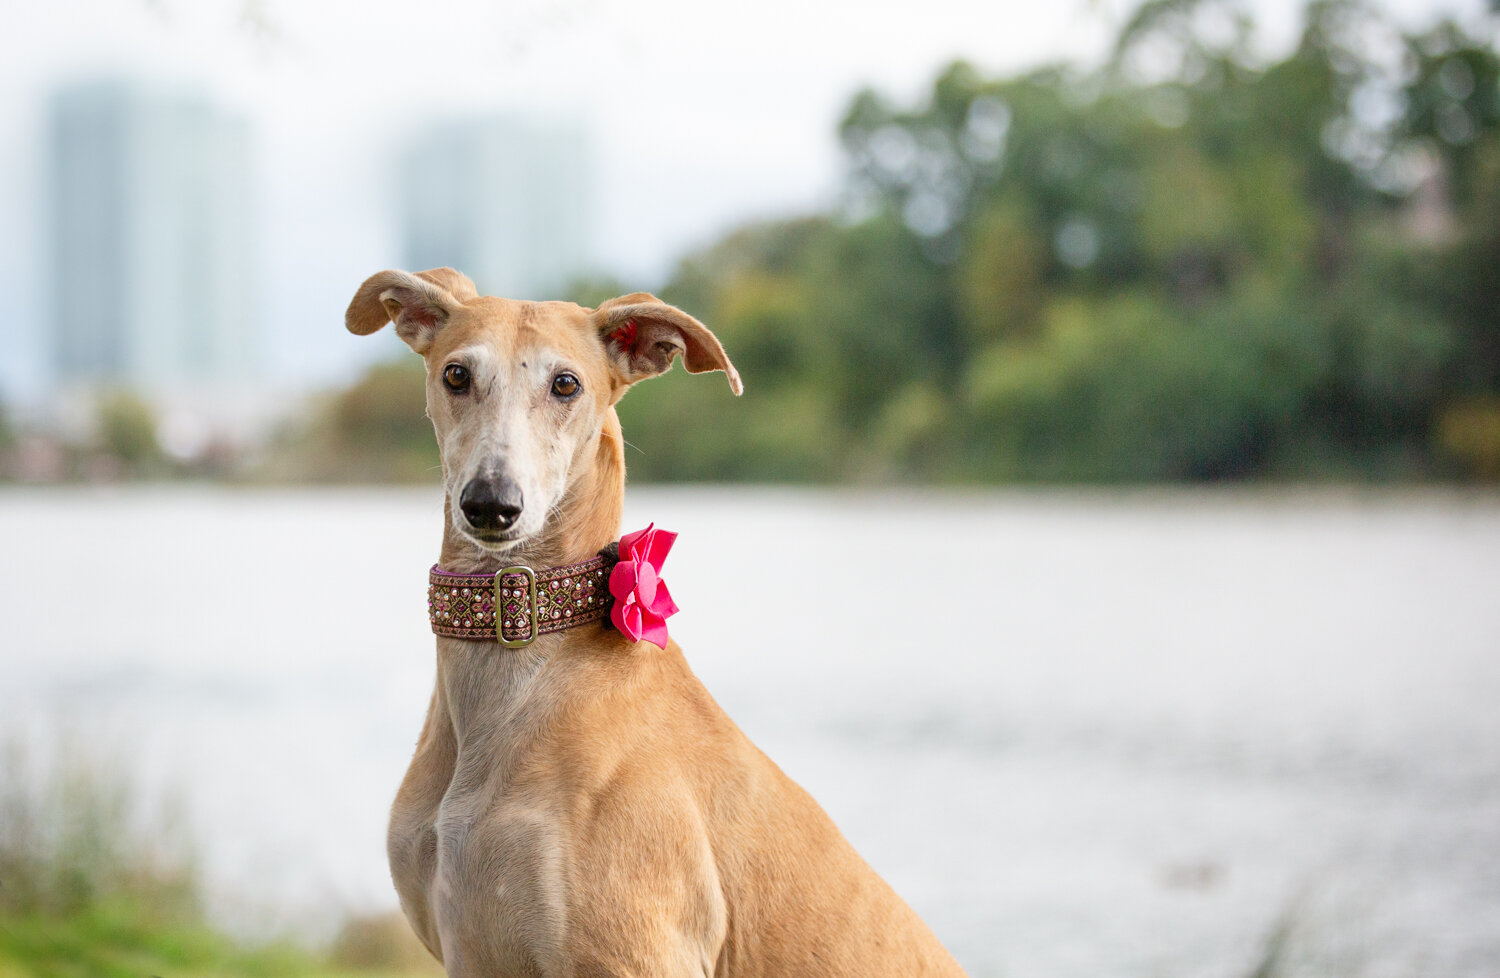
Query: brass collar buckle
column 530, row 575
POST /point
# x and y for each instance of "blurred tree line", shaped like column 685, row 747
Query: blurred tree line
column 120, row 443
column 1185, row 264
column 375, row 431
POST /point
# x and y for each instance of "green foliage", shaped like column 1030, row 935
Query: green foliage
column 73, row 839
column 382, row 407
column 114, row 941
column 1453, row 102
column 127, row 433
column 1119, row 390
column 1185, row 265
column 1182, row 267
column 375, row 431
column 1469, row 434
column 93, row 887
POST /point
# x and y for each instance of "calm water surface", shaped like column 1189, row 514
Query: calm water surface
column 1085, row 735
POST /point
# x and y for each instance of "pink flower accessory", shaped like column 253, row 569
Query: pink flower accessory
column 642, row 602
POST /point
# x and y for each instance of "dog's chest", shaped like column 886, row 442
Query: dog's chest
column 482, row 863
column 499, row 888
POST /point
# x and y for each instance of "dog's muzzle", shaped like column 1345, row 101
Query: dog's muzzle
column 491, row 504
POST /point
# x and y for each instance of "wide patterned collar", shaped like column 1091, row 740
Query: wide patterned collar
column 622, row 585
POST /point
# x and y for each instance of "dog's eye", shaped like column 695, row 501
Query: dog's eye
column 565, row 385
column 456, row 377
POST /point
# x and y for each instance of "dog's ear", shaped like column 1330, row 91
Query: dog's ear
column 642, row 334
column 418, row 304
column 459, row 285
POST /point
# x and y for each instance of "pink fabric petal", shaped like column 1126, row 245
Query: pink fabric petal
column 658, row 545
column 661, row 604
column 622, row 579
column 645, row 584
column 628, row 619
column 655, row 632
column 630, row 541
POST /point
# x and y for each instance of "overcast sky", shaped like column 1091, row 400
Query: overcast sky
column 701, row 115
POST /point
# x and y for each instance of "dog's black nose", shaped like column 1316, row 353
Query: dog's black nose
column 491, row 504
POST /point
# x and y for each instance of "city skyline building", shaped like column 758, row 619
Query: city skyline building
column 505, row 200
column 151, row 253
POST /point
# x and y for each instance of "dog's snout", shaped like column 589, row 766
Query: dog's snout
column 491, row 504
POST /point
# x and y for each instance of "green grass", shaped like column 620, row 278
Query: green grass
column 118, row 941
column 116, row 938
column 92, row 886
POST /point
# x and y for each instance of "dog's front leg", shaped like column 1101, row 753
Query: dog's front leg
column 651, row 924
column 676, row 959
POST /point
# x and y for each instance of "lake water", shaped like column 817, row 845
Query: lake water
column 1135, row 733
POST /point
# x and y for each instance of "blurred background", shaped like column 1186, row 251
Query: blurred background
column 1173, row 327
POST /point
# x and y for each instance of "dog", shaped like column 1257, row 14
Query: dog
column 578, row 805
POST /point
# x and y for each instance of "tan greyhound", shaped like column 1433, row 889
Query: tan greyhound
column 581, row 806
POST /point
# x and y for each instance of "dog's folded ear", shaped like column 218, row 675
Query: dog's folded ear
column 418, row 304
column 642, row 334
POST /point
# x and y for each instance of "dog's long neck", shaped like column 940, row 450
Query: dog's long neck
column 481, row 686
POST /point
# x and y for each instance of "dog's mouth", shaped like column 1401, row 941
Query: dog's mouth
column 495, row 540
column 492, row 539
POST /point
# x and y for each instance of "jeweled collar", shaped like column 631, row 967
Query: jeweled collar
column 621, row 585
column 516, row 604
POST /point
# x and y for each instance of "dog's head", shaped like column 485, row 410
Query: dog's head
column 520, row 392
